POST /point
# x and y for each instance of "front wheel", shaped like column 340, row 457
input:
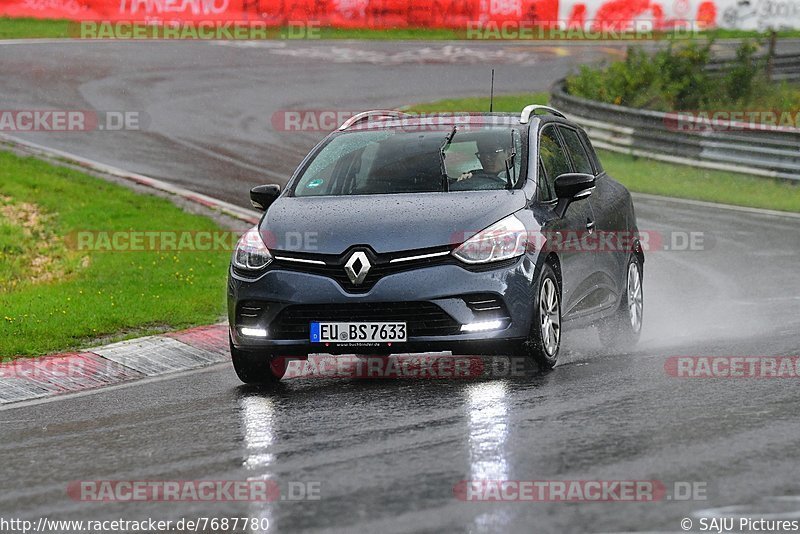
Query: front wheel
column 623, row 329
column 544, row 339
column 256, row 368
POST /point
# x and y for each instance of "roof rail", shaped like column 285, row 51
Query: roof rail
column 525, row 116
column 385, row 113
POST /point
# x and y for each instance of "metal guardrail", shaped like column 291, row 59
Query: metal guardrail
column 784, row 66
column 770, row 152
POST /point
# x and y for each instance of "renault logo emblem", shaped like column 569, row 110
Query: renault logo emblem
column 357, row 267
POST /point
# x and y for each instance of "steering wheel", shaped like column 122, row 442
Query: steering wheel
column 481, row 177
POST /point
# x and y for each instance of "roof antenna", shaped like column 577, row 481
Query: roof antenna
column 491, row 95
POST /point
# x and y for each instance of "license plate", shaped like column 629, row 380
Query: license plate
column 358, row 332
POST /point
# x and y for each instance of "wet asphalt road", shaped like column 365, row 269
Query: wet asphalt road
column 209, row 111
column 209, row 108
column 387, row 454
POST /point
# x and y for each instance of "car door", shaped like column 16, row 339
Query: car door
column 601, row 227
column 565, row 235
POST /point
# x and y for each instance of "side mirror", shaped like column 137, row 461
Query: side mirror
column 571, row 187
column 262, row 196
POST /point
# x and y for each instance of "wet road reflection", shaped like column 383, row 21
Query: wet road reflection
column 258, row 417
column 488, row 428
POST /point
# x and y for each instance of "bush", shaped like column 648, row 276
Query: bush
column 676, row 78
column 741, row 80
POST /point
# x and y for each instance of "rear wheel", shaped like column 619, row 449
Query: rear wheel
column 544, row 340
column 623, row 329
column 256, row 367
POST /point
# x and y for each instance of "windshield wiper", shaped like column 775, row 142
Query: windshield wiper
column 442, row 156
column 511, row 158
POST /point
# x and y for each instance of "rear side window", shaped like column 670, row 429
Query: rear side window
column 592, row 154
column 553, row 160
column 576, row 151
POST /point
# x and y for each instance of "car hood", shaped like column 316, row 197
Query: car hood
column 387, row 223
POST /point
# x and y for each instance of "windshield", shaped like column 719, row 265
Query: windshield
column 390, row 161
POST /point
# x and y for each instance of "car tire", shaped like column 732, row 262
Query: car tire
column 544, row 340
column 255, row 367
column 623, row 329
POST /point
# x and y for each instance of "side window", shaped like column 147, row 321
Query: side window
column 553, row 159
column 592, row 154
column 576, row 150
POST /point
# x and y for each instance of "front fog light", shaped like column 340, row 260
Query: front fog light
column 253, row 332
column 482, row 326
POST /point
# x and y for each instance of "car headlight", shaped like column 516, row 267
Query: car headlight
column 503, row 240
column 251, row 253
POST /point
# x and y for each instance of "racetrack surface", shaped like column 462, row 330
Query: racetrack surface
column 209, row 107
column 387, row 453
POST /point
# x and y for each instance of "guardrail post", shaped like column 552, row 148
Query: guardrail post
column 773, row 39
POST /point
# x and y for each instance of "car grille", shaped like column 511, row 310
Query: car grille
column 422, row 318
column 381, row 265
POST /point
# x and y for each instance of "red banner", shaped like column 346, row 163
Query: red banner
column 456, row 14
column 341, row 13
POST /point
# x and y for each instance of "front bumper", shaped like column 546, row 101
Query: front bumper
column 444, row 286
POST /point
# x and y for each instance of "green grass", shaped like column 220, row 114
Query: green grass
column 682, row 181
column 55, row 297
column 19, row 28
column 723, row 33
column 656, row 177
column 501, row 103
column 27, row 28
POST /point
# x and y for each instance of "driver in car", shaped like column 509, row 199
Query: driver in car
column 492, row 157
